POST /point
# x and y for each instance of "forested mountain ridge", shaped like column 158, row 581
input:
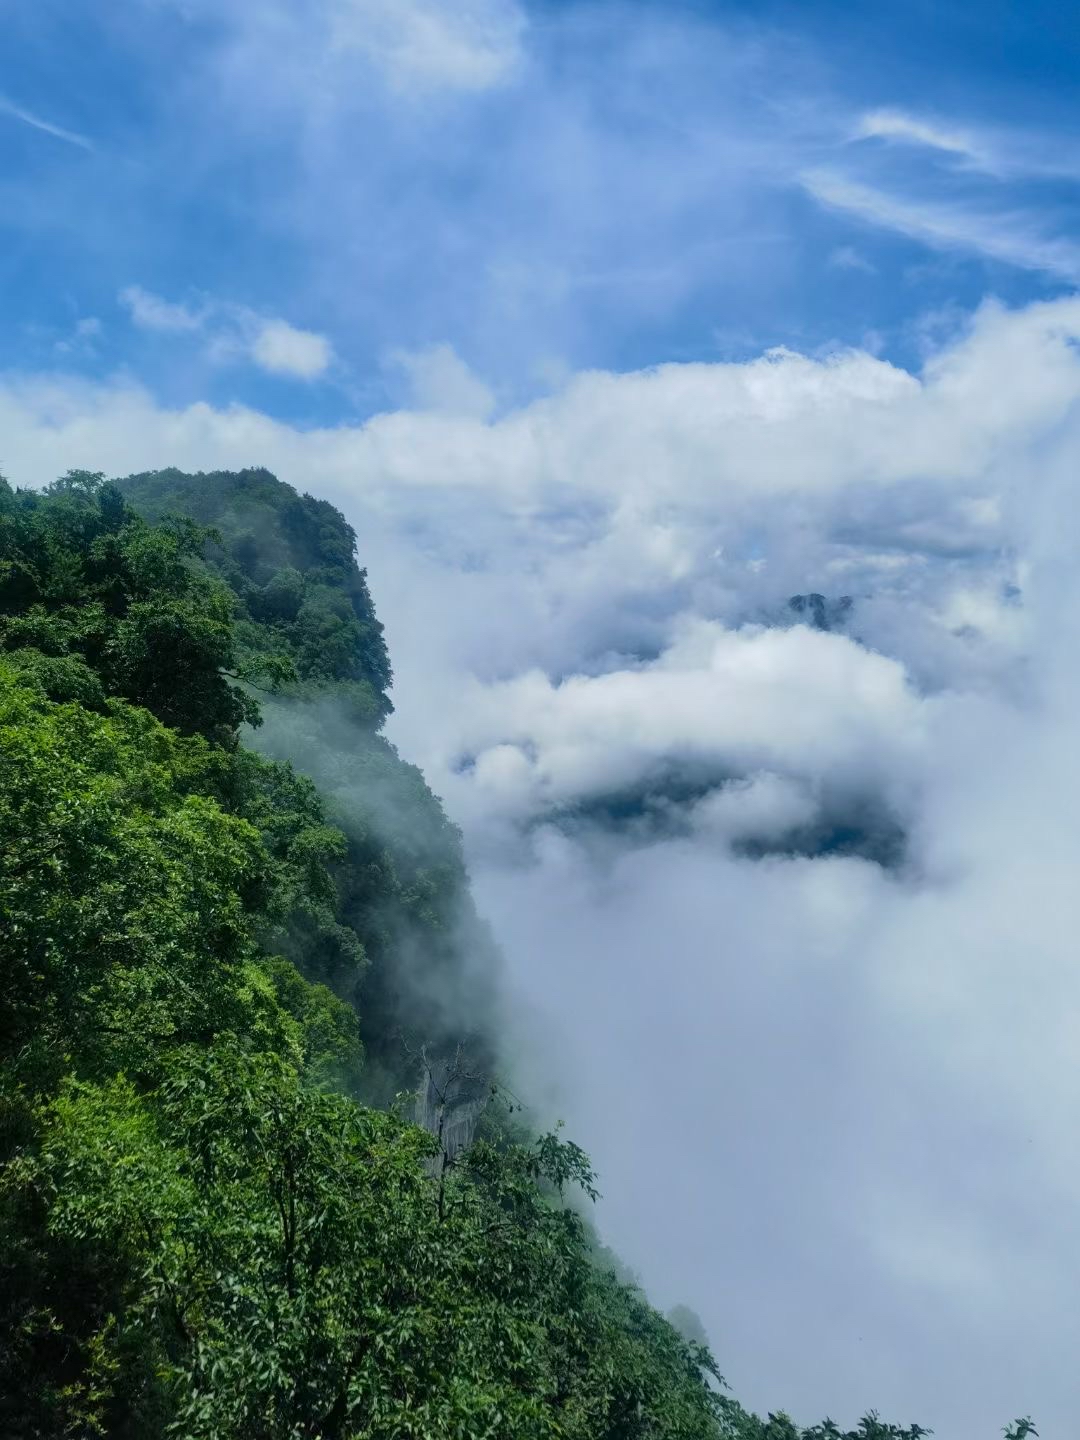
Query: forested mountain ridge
column 203, row 1232
column 290, row 561
column 429, row 967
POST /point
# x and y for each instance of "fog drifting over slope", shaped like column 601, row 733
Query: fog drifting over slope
column 832, row 1103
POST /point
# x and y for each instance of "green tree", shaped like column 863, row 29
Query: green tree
column 83, row 578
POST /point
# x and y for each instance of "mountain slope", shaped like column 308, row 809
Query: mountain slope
column 289, row 563
column 203, row 1233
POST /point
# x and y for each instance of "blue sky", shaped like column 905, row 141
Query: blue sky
column 544, row 188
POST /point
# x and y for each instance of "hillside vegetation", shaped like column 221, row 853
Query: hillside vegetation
column 217, row 1222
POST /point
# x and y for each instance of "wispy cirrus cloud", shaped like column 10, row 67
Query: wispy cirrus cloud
column 47, row 127
column 425, row 44
column 1012, row 236
column 897, row 125
column 846, row 257
column 417, row 48
column 999, row 193
column 1003, row 153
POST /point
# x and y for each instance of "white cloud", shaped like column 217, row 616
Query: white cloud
column 846, row 257
column 718, row 703
column 897, row 125
column 763, row 807
column 282, row 349
column 982, row 214
column 150, row 312
column 425, row 44
column 1000, row 152
column 27, row 117
column 324, row 50
column 234, row 331
column 81, row 340
column 1015, row 238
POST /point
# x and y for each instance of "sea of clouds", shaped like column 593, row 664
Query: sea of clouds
column 831, row 1088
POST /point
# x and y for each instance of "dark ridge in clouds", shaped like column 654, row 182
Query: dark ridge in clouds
column 820, row 611
column 755, row 815
column 736, row 815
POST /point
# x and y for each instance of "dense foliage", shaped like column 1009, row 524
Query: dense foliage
column 288, row 563
column 203, row 1232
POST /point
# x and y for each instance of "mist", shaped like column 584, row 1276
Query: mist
column 829, row 1099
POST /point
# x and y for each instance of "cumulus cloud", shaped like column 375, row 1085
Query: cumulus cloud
column 151, row 312
column 234, row 331
column 282, row 349
column 830, row 1098
column 781, row 705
